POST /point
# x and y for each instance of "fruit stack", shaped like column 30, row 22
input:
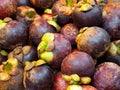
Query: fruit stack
column 59, row 45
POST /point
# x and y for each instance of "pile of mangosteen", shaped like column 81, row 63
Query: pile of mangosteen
column 59, row 45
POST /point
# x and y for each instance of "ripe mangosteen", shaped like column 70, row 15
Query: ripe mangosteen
column 53, row 48
column 42, row 4
column 56, row 11
column 12, row 34
column 86, row 15
column 37, row 29
column 111, row 20
column 113, row 54
column 24, row 54
column 7, row 8
column 79, row 63
column 59, row 82
column 107, row 76
column 70, row 31
column 93, row 40
column 38, row 76
column 26, row 15
column 11, row 75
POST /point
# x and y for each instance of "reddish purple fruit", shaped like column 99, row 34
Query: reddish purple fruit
column 107, row 76
column 7, row 8
column 79, row 63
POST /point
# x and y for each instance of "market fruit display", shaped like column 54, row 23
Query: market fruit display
column 59, row 45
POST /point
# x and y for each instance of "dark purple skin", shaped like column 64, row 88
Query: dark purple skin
column 13, row 34
column 23, row 2
column 15, row 83
column 79, row 63
column 61, row 18
column 94, row 41
column 70, row 31
column 107, row 76
column 111, row 20
column 39, row 78
column 7, row 8
column 110, row 57
column 29, row 55
column 37, row 29
column 42, row 4
column 59, row 82
column 61, row 50
column 89, row 18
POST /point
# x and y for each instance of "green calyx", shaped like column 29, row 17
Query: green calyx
column 3, row 52
column 31, row 14
column 47, row 56
column 86, row 7
column 48, row 37
column 113, row 49
column 8, row 69
column 48, row 11
column 2, row 24
column 74, row 87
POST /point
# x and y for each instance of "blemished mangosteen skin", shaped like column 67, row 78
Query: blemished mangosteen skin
column 70, row 31
column 94, row 40
column 39, row 78
column 107, row 76
column 29, row 55
column 42, row 4
column 15, row 83
column 13, row 35
column 61, row 50
column 59, row 82
column 79, row 63
column 7, row 8
column 87, row 18
column 61, row 18
column 37, row 29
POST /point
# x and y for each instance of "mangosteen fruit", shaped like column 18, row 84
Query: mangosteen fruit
column 37, row 29
column 93, row 40
column 79, row 63
column 38, row 76
column 12, row 34
column 24, row 54
column 70, row 31
column 7, row 8
column 107, row 76
column 11, row 75
column 53, row 48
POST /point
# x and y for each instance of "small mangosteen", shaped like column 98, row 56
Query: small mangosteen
column 107, row 76
column 70, row 31
column 57, row 12
column 38, row 76
column 11, row 75
column 79, row 63
column 53, row 48
column 12, row 34
column 7, row 8
column 24, row 54
column 37, row 29
column 93, row 40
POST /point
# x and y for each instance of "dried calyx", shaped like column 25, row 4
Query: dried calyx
column 46, row 47
column 75, row 79
column 8, row 69
column 29, row 66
